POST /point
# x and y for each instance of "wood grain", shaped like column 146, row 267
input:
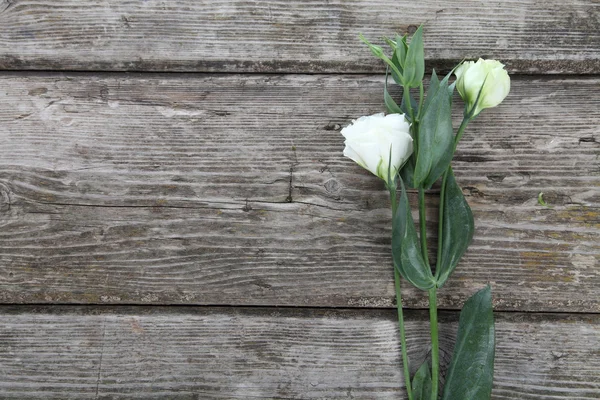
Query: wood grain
column 214, row 353
column 217, row 189
column 547, row 36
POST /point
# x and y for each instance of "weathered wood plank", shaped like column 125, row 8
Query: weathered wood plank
column 548, row 36
column 192, row 353
column 170, row 189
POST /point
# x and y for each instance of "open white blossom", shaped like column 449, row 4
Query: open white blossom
column 370, row 139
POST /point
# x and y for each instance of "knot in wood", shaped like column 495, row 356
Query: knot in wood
column 332, row 186
column 4, row 197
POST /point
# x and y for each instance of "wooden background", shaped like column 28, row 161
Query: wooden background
column 177, row 220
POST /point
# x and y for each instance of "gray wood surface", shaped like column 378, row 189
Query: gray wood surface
column 135, row 206
column 548, row 36
column 232, row 189
column 198, row 353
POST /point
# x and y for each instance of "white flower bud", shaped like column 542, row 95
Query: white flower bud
column 470, row 76
column 370, row 139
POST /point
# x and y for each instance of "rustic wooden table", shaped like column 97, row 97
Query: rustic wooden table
column 177, row 220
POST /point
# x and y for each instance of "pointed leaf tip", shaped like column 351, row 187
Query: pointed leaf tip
column 457, row 228
column 421, row 384
column 406, row 250
column 436, row 135
column 471, row 371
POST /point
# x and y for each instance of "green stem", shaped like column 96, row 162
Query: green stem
column 402, row 335
column 422, row 225
column 408, row 104
column 421, row 91
column 461, row 130
column 432, row 302
column 414, row 126
column 441, row 224
column 435, row 356
column 397, row 280
column 459, row 134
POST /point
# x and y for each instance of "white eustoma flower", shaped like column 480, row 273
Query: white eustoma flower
column 470, row 76
column 370, row 139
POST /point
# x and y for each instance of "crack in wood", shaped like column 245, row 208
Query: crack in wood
column 7, row 4
column 289, row 198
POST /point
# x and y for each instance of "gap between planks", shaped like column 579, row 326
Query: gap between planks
column 26, row 307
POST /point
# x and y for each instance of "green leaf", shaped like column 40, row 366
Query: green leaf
column 471, row 371
column 402, row 48
column 390, row 43
column 457, row 229
column 408, row 171
column 390, row 104
column 399, row 58
column 395, row 60
column 444, row 162
column 434, row 84
column 421, row 384
column 406, row 250
column 413, row 104
column 378, row 52
column 436, row 135
column 398, row 77
column 414, row 64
